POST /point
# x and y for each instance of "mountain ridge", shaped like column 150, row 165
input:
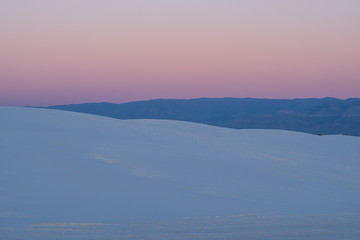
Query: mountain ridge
column 310, row 115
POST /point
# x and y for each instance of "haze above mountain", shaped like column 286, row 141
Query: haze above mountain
column 311, row 115
column 59, row 166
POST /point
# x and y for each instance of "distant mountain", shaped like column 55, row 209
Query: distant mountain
column 310, row 115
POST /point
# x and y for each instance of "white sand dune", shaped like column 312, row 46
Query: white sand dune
column 62, row 166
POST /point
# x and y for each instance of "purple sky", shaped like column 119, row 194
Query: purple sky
column 61, row 52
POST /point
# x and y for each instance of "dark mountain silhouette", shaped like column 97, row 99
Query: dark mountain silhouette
column 310, row 115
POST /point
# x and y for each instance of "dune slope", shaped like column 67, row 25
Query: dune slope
column 65, row 166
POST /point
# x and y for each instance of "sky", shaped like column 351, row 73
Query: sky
column 74, row 51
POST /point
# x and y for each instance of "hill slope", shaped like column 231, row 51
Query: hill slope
column 60, row 166
column 312, row 115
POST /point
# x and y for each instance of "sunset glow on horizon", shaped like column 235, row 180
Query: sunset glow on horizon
column 62, row 52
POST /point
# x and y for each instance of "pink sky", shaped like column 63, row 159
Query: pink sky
column 61, row 52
